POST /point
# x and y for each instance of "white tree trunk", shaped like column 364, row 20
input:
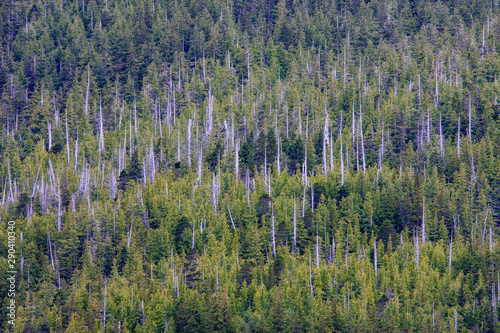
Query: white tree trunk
column 273, row 233
column 104, row 312
column 294, row 223
column 441, row 141
column 190, row 124
column 417, row 257
column 458, row 136
column 49, row 130
column 346, row 251
column 333, row 249
column 237, row 160
column 67, row 137
column 362, row 138
column 88, row 91
column 341, row 149
column 423, row 221
column 470, row 120
column 317, row 250
column 451, row 252
column 101, row 128
column 310, row 275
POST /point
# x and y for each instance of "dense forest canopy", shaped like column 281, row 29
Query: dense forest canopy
column 250, row 166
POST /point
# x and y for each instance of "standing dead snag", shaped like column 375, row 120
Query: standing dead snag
column 346, row 251
column 341, row 150
column 294, row 223
column 458, row 136
column 417, row 256
column 49, row 130
column 310, row 275
column 273, row 232
column 88, row 91
column 362, row 138
column 237, row 160
column 317, row 246
column 326, row 138
column 67, row 137
column 231, row 216
column 423, row 221
column 101, row 128
column 190, row 124
column 104, row 312
column 451, row 252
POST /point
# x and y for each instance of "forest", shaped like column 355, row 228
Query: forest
column 250, row 165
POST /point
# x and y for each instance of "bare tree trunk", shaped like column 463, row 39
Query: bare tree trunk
column 330, row 144
column 278, row 158
column 200, row 163
column 310, row 275
column 135, row 118
column 214, row 192
column 49, row 130
column 59, row 207
column 101, row 128
column 456, row 321
column 345, row 70
column 88, row 91
column 104, row 312
column 362, row 138
column 143, row 314
column 273, row 233
column 194, row 226
column 484, row 230
column 237, row 160
column 67, row 137
column 300, row 122
column 326, row 137
column 433, row 317
column 76, row 153
column 417, row 257
column 458, row 136
column 317, row 249
column 217, row 278
column 451, row 252
column 470, row 120
column 437, row 87
column 441, row 141
column 248, row 67
column 428, row 126
column 210, row 109
column 419, row 94
column 423, row 220
column 50, row 249
column 491, row 240
column 312, row 197
column 304, row 203
column 129, row 238
column 472, row 164
column 333, row 250
column 231, row 216
column 190, row 124
column 341, row 148
column 346, row 251
column 179, row 144
column 294, row 223
column 353, row 127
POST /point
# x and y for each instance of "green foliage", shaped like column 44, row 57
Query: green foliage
column 353, row 124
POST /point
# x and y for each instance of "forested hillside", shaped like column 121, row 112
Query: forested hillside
column 250, row 165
